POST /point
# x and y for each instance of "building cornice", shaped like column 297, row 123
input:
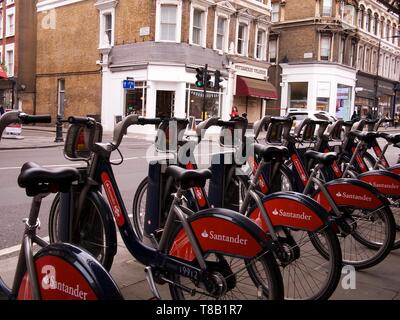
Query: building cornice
column 52, row 4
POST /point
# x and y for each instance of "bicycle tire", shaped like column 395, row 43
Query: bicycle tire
column 273, row 291
column 380, row 251
column 97, row 234
column 138, row 208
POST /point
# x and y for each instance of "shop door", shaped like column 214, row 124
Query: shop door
column 165, row 102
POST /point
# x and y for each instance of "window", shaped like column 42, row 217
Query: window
column 106, row 37
column 194, row 102
column 168, row 22
column 352, row 55
column 394, row 34
column 10, row 62
column 382, row 33
column 368, row 21
column 325, row 48
column 342, row 50
column 361, row 18
column 374, row 62
column 327, row 8
column 367, row 65
column 10, row 30
column 375, row 23
column 298, row 94
column 387, row 32
column 198, row 27
column 360, row 62
column 220, row 37
column 260, row 46
column 272, row 50
column 61, row 97
column 275, row 12
column 135, row 100
column 242, row 39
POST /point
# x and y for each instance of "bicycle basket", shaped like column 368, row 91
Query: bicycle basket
column 169, row 133
column 80, row 140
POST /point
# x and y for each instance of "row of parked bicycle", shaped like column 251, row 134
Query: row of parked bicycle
column 281, row 224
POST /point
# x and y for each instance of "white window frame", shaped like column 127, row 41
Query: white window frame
column 203, row 40
column 225, row 44
column 264, row 45
column 8, row 48
column 276, row 50
column 1, row 25
column 274, row 6
column 246, row 22
column 10, row 2
column 178, row 33
column 10, row 12
column 330, row 48
column 331, row 9
column 103, row 13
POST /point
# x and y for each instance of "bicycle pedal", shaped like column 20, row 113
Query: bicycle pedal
column 150, row 279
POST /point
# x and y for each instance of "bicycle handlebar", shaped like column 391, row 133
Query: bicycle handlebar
column 20, row 117
column 87, row 121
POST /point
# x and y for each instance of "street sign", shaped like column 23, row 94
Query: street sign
column 129, row 84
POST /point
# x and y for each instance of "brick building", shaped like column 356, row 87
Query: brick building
column 68, row 80
column 317, row 51
column 17, row 54
column 159, row 48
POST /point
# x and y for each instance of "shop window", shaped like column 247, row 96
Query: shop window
column 135, row 100
column 194, row 102
column 298, row 94
column 323, row 104
column 343, row 102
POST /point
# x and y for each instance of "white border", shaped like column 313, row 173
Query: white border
column 52, row 4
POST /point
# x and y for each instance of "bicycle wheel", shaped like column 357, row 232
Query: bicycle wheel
column 95, row 231
column 370, row 239
column 307, row 274
column 139, row 208
column 237, row 279
column 395, row 208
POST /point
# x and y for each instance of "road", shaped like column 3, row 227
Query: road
column 14, row 204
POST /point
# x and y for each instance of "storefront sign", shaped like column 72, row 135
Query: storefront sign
column 250, row 71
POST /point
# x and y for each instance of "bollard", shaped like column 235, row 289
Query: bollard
column 59, row 128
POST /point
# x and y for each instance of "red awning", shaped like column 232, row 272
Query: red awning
column 3, row 74
column 248, row 87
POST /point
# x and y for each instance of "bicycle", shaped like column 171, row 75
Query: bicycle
column 212, row 253
column 58, row 271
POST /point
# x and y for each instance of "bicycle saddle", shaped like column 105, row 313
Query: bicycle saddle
column 323, row 158
column 189, row 178
column 36, row 179
column 393, row 138
column 269, row 153
column 366, row 136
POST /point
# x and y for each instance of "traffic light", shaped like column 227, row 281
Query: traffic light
column 217, row 80
column 208, row 80
column 200, row 77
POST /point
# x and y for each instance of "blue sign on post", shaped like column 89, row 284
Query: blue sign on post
column 129, row 84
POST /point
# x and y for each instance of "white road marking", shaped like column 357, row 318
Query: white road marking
column 13, row 249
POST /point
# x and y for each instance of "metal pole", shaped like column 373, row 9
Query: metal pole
column 205, row 91
column 59, row 134
column 376, row 100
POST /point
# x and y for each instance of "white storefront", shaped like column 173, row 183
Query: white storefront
column 318, row 86
column 160, row 90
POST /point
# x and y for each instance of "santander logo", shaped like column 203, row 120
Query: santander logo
column 283, row 213
column 353, row 196
column 49, row 282
column 212, row 235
